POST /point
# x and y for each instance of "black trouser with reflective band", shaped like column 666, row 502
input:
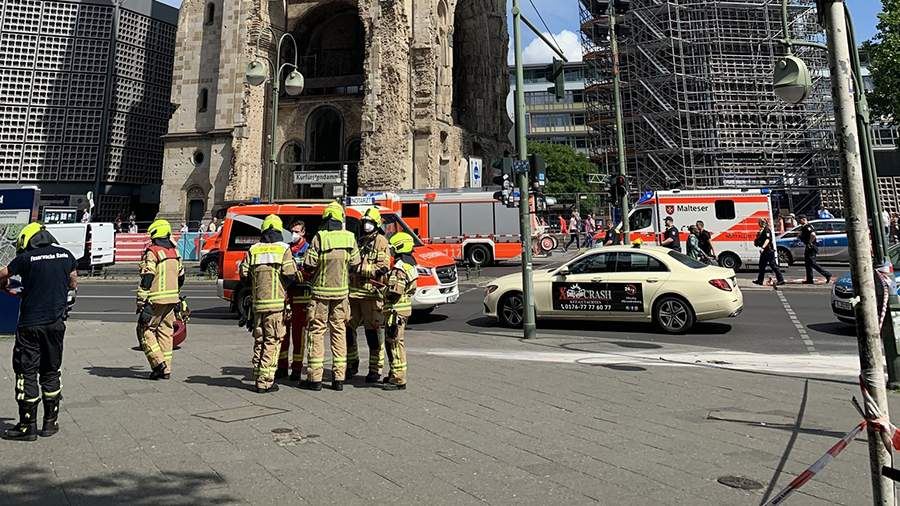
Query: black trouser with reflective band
column 38, row 350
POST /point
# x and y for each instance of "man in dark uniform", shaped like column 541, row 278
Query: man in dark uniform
column 48, row 273
column 671, row 238
column 764, row 241
column 810, row 251
column 705, row 238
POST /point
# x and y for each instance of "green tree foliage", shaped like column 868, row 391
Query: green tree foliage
column 884, row 52
column 567, row 172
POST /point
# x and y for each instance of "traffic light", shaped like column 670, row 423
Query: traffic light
column 556, row 74
column 537, row 171
column 503, row 177
column 618, row 187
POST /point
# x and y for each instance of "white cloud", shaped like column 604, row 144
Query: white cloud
column 538, row 52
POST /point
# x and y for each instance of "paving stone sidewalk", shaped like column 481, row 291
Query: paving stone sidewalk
column 470, row 429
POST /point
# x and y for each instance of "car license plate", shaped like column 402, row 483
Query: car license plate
column 840, row 304
column 453, row 298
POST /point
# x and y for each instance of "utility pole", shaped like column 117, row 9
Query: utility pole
column 521, row 168
column 871, row 356
column 617, row 101
column 529, row 328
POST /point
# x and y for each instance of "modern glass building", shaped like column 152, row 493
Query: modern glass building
column 85, row 99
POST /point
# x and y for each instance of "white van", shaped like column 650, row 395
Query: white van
column 92, row 244
column 731, row 216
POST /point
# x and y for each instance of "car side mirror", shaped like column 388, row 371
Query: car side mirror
column 563, row 271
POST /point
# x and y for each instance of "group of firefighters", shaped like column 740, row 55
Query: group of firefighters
column 299, row 293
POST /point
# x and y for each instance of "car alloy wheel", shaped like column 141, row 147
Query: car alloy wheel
column 674, row 315
column 511, row 310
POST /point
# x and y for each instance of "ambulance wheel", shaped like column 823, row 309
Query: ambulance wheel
column 673, row 315
column 730, row 261
column 785, row 259
column 510, row 310
column 478, row 255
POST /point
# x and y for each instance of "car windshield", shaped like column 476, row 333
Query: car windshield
column 686, row 260
column 393, row 224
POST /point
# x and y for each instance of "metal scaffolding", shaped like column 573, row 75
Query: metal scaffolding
column 697, row 95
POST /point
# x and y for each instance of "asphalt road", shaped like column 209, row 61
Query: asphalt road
column 765, row 326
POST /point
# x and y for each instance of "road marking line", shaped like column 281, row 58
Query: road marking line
column 801, row 330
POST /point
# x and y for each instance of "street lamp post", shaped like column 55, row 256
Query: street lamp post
column 258, row 74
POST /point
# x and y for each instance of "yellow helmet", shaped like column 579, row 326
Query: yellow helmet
column 26, row 234
column 637, row 242
column 333, row 211
column 402, row 242
column 159, row 229
column 274, row 222
column 374, row 215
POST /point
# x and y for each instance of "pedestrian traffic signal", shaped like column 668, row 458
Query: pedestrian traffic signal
column 503, row 177
column 556, row 74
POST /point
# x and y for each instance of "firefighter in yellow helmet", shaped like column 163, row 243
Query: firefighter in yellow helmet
column 330, row 258
column 366, row 298
column 400, row 287
column 158, row 298
column 47, row 274
column 270, row 270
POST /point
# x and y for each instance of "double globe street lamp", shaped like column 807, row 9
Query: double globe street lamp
column 257, row 74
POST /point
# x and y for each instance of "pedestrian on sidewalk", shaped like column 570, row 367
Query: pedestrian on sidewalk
column 330, row 258
column 270, row 270
column 705, row 239
column 693, row 243
column 767, row 257
column 810, row 251
column 161, row 279
column 574, row 235
column 590, row 229
column 48, row 274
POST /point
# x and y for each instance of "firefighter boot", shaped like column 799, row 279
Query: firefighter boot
column 311, row 385
column 281, row 373
column 393, row 386
column 373, row 377
column 159, row 372
column 26, row 429
column 337, row 385
column 51, row 414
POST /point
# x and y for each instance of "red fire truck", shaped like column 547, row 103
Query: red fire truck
column 467, row 225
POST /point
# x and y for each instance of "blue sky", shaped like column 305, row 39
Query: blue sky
column 562, row 15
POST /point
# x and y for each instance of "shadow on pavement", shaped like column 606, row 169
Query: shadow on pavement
column 29, row 484
column 701, row 328
column 118, row 372
column 834, row 328
column 637, row 345
column 422, row 319
column 227, row 379
column 213, row 313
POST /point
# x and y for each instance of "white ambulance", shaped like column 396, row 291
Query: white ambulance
column 731, row 216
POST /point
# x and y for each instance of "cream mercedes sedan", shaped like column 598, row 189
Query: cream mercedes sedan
column 622, row 283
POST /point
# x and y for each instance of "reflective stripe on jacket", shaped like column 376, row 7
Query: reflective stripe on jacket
column 374, row 254
column 401, row 285
column 265, row 266
column 330, row 257
column 166, row 267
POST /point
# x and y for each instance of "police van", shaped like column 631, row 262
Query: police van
column 731, row 217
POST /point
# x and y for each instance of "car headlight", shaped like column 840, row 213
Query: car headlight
column 423, row 271
column 490, row 289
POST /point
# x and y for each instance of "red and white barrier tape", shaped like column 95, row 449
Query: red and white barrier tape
column 820, row 464
column 890, row 436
